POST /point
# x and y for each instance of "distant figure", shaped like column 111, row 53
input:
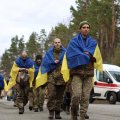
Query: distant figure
column 22, row 74
column 37, row 100
column 1, row 84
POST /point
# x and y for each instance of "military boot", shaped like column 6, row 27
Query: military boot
column 35, row 109
column 82, row 116
column 74, row 113
column 67, row 110
column 21, row 110
column 30, row 108
column 73, row 117
column 41, row 108
column 51, row 114
column 57, row 115
column 86, row 116
column 15, row 104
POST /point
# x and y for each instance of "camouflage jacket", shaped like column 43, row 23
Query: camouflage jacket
column 55, row 76
column 83, row 70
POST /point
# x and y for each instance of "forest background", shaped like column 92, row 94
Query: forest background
column 104, row 18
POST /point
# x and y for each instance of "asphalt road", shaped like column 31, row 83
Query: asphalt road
column 101, row 111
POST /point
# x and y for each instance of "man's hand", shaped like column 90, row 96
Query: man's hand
column 26, row 70
column 92, row 59
column 33, row 83
column 56, row 61
column 22, row 69
column 87, row 53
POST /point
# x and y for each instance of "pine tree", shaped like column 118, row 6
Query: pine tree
column 32, row 46
column 13, row 50
column 21, row 45
column 102, row 16
column 42, row 39
column 6, row 63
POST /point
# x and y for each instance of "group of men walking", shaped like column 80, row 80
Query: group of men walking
column 23, row 79
column 58, row 66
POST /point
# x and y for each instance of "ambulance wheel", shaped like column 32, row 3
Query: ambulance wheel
column 112, row 98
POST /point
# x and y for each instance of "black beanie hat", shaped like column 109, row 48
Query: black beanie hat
column 38, row 57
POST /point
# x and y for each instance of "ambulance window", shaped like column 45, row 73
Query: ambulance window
column 99, row 76
column 105, row 77
column 102, row 76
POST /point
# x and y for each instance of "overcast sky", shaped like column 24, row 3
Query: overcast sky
column 22, row 17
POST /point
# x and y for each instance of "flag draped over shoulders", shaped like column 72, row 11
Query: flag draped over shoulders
column 64, row 69
column 41, row 79
column 36, row 67
column 5, row 86
column 1, row 82
column 75, row 55
column 48, row 63
column 99, row 63
column 13, row 75
column 19, row 63
column 76, row 48
column 27, row 63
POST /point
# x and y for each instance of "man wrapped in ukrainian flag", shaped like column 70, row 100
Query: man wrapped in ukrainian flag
column 51, row 70
column 3, row 85
column 22, row 75
column 82, row 56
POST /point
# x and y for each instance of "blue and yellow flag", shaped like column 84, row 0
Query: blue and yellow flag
column 64, row 69
column 48, row 63
column 41, row 79
column 27, row 63
column 99, row 63
column 5, row 86
column 75, row 55
column 14, row 73
column 76, row 52
column 1, row 82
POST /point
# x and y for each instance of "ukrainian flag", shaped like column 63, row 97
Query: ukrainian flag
column 76, row 52
column 48, row 65
column 5, row 86
column 14, row 73
column 75, row 55
column 41, row 79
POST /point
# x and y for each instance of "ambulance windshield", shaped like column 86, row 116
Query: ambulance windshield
column 116, row 75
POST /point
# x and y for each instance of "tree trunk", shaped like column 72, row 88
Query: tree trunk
column 113, row 26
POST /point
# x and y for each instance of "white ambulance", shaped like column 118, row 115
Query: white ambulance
column 107, row 84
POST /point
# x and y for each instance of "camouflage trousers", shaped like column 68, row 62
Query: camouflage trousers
column 21, row 95
column 80, row 89
column 36, row 97
column 15, row 95
column 39, row 97
column 55, row 96
column 31, row 97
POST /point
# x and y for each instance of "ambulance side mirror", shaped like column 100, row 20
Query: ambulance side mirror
column 108, row 80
